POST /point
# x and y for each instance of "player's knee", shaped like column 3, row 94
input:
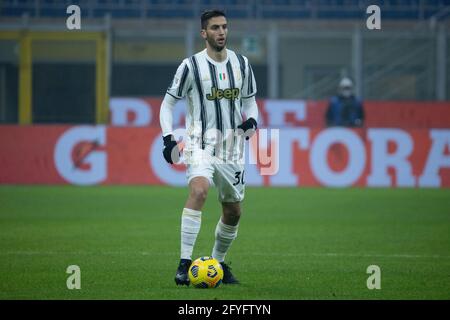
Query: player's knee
column 236, row 214
column 199, row 194
column 233, row 213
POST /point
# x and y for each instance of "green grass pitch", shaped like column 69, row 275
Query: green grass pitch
column 293, row 243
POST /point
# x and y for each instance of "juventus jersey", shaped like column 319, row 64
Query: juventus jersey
column 213, row 91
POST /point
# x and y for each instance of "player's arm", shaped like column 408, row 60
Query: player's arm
column 250, row 109
column 249, row 106
column 176, row 91
column 170, row 152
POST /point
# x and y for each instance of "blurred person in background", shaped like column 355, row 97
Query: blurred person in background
column 345, row 109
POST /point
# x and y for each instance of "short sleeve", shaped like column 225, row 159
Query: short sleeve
column 181, row 82
column 249, row 85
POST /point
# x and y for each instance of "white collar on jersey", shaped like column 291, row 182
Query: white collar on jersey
column 214, row 61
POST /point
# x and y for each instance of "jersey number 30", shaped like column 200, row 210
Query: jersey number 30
column 239, row 178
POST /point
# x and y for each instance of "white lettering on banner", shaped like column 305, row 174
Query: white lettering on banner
column 120, row 107
column 79, row 160
column 436, row 158
column 70, row 168
column 277, row 110
column 319, row 161
column 286, row 175
column 382, row 159
column 163, row 170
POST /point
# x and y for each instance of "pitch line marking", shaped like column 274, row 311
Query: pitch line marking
column 289, row 254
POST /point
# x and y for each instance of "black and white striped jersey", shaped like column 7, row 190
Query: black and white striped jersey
column 213, row 91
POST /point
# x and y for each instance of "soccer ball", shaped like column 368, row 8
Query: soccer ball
column 206, row 272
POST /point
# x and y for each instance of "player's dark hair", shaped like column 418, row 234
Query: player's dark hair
column 208, row 14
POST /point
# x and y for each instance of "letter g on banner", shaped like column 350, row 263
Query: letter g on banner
column 77, row 158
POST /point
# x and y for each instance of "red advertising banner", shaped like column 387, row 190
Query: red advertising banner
column 299, row 156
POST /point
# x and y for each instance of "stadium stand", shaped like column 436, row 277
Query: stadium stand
column 265, row 9
column 312, row 44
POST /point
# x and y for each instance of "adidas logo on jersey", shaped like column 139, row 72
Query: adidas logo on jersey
column 232, row 93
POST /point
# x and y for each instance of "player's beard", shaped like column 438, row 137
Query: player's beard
column 213, row 44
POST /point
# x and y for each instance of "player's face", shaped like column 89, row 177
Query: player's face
column 216, row 33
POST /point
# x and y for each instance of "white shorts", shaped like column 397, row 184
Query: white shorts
column 227, row 177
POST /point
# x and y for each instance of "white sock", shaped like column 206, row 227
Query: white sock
column 190, row 227
column 225, row 234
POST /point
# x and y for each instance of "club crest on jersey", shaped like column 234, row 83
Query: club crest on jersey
column 231, row 93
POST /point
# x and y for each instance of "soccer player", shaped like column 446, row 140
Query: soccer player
column 219, row 86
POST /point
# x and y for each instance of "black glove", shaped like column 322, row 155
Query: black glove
column 249, row 127
column 168, row 151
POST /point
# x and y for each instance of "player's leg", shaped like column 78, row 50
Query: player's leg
column 198, row 191
column 226, row 229
column 231, row 213
column 199, row 177
column 226, row 232
column 191, row 219
column 192, row 215
column 230, row 184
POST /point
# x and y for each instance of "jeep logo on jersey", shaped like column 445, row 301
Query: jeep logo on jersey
column 219, row 94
